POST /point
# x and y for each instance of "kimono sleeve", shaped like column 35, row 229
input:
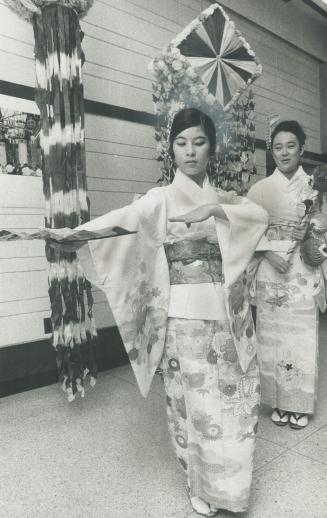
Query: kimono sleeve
column 255, row 194
column 133, row 273
column 239, row 235
column 238, row 238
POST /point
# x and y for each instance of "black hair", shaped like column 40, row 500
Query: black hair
column 291, row 127
column 188, row 118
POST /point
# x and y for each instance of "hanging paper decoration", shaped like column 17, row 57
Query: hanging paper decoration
column 208, row 66
column 236, row 147
column 219, row 54
column 59, row 96
column 272, row 121
column 177, row 86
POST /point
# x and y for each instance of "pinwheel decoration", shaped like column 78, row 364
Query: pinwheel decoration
column 219, row 55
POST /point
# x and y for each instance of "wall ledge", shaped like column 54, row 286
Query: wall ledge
column 33, row 365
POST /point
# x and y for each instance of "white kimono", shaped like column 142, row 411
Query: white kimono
column 287, row 304
column 133, row 271
column 188, row 308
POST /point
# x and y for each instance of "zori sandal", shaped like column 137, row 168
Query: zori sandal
column 280, row 417
column 298, row 421
column 201, row 507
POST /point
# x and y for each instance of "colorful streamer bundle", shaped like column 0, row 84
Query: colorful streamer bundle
column 59, row 96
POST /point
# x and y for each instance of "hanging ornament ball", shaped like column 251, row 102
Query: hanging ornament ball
column 313, row 251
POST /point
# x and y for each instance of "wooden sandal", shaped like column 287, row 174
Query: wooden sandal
column 201, row 507
column 298, row 421
column 280, row 417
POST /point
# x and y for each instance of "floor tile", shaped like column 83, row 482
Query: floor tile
column 284, row 435
column 126, row 373
column 315, row 446
column 291, row 486
column 108, row 456
column 265, row 452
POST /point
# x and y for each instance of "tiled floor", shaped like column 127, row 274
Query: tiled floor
column 108, row 456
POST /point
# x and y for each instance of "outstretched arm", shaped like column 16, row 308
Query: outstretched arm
column 201, row 214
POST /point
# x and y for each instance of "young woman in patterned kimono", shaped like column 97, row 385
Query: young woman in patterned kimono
column 288, row 292
column 178, row 296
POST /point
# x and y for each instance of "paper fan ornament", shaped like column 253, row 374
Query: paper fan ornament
column 219, row 55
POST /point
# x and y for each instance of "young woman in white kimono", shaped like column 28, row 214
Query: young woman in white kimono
column 177, row 292
column 288, row 292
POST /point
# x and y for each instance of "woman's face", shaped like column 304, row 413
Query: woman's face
column 286, row 151
column 191, row 149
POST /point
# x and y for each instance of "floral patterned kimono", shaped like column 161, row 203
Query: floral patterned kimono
column 178, row 297
column 287, row 304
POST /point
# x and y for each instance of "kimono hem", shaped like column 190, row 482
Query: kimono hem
column 159, row 283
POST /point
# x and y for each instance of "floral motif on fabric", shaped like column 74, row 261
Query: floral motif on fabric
column 145, row 320
column 205, row 424
column 290, row 371
column 212, row 409
column 295, row 286
column 228, row 351
column 241, row 321
column 287, row 337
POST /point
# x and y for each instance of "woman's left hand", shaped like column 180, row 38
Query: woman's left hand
column 199, row 214
column 300, row 231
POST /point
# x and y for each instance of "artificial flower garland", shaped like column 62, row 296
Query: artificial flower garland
column 177, row 85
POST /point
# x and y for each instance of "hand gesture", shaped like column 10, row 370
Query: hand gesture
column 277, row 262
column 199, row 214
column 300, row 231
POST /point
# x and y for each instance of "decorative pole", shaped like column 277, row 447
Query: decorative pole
column 59, row 96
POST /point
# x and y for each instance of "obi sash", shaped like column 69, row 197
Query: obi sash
column 194, row 262
column 280, row 231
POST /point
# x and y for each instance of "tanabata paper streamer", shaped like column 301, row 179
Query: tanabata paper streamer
column 59, row 95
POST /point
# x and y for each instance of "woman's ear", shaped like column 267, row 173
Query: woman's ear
column 301, row 150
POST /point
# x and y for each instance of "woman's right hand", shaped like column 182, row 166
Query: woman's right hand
column 277, row 262
column 201, row 213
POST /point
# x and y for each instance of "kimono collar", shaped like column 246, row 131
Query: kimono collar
column 297, row 180
column 300, row 173
column 199, row 195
